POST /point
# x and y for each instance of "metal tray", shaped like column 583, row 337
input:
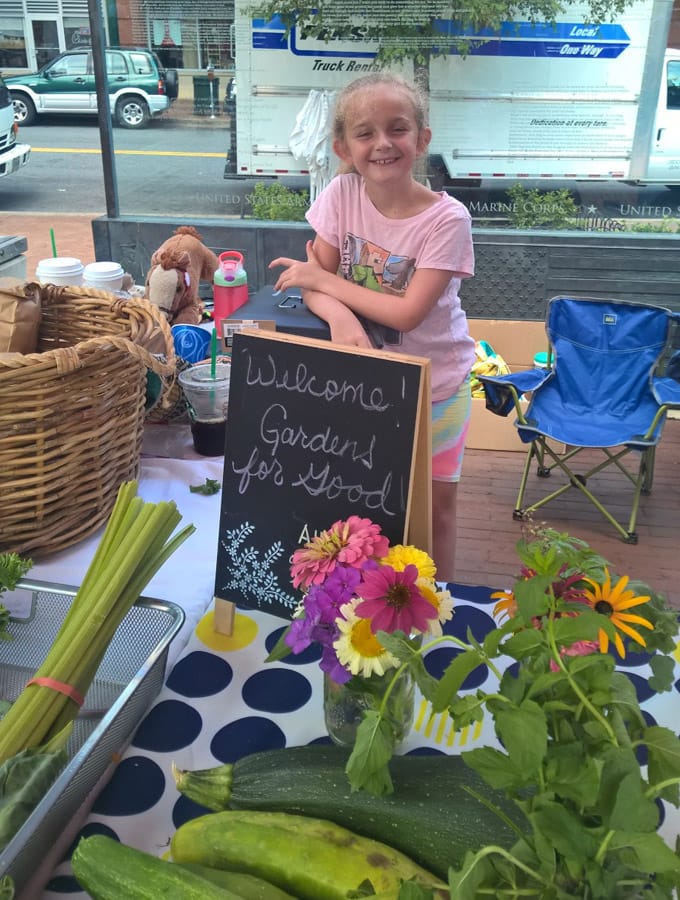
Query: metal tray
column 130, row 676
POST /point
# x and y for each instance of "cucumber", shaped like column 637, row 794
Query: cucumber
column 311, row 858
column 429, row 817
column 248, row 887
column 109, row 870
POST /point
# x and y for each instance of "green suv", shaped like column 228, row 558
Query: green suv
column 139, row 87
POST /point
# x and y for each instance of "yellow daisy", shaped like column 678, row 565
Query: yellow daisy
column 401, row 556
column 442, row 602
column 357, row 648
column 613, row 602
column 506, row 608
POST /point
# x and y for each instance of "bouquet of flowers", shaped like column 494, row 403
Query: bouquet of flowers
column 574, row 751
column 356, row 587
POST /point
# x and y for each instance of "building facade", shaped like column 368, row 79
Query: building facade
column 186, row 34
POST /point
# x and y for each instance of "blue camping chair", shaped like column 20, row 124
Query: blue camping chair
column 611, row 379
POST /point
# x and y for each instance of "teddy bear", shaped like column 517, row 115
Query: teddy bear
column 177, row 267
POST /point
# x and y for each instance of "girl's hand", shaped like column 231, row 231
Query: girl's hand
column 347, row 330
column 299, row 274
column 344, row 326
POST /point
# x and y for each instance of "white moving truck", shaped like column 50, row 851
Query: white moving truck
column 569, row 101
column 13, row 155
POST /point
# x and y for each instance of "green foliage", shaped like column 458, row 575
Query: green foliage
column 273, row 200
column 408, row 31
column 541, row 209
column 209, row 486
column 12, row 570
column 666, row 225
column 569, row 732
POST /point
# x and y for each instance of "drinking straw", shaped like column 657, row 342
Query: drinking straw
column 213, row 354
column 213, row 363
column 54, row 246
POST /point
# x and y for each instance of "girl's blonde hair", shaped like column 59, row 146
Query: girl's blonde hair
column 375, row 79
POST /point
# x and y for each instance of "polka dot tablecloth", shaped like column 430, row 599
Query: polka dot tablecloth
column 221, row 701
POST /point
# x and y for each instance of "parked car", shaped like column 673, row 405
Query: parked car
column 139, row 87
column 13, row 155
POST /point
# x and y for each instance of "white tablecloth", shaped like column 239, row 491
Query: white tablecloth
column 221, row 701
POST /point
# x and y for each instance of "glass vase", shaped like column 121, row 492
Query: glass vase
column 344, row 705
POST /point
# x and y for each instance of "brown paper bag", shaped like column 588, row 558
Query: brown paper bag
column 19, row 318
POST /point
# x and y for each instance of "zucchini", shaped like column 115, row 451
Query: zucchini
column 109, row 870
column 311, row 858
column 430, row 816
column 248, row 887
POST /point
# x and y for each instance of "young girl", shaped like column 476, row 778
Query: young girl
column 391, row 251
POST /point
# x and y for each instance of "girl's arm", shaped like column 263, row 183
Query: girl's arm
column 344, row 326
column 319, row 275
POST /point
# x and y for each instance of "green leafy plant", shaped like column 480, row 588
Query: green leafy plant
column 569, row 727
column 667, row 225
column 209, row 486
column 532, row 208
column 273, row 200
column 12, row 569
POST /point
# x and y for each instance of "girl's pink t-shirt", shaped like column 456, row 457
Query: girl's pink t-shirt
column 382, row 254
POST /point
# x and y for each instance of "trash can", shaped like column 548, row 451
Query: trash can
column 206, row 96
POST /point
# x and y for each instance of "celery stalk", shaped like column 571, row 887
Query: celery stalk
column 137, row 541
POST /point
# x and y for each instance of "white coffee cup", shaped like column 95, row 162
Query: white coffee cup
column 106, row 276
column 61, row 270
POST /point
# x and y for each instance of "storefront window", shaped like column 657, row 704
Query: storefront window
column 77, row 33
column 12, row 44
column 167, row 42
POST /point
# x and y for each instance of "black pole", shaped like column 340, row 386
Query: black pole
column 103, row 107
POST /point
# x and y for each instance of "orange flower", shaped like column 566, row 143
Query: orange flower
column 613, row 602
column 506, row 608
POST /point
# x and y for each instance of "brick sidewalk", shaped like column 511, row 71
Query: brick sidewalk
column 72, row 233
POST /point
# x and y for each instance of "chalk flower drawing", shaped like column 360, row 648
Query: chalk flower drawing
column 250, row 570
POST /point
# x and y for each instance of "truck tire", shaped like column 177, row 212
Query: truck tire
column 24, row 109
column 171, row 83
column 132, row 112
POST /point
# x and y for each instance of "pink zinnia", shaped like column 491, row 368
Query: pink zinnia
column 351, row 543
column 392, row 600
column 578, row 648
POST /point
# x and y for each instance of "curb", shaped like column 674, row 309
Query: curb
column 181, row 114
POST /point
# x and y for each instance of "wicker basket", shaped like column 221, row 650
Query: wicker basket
column 72, row 414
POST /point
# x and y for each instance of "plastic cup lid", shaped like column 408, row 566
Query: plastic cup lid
column 58, row 265
column 199, row 376
column 103, row 270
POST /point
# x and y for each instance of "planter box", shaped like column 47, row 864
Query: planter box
column 517, row 342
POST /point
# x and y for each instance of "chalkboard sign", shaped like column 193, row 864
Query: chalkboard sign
column 316, row 433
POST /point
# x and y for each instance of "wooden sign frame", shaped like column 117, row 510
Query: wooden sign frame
column 417, row 513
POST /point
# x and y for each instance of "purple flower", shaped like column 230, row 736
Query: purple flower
column 337, row 589
column 330, row 664
column 300, row 634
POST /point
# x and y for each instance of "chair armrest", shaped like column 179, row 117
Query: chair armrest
column 503, row 391
column 666, row 390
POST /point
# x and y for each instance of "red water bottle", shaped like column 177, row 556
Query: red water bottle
column 230, row 286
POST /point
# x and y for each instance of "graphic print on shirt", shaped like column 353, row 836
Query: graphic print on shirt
column 373, row 267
